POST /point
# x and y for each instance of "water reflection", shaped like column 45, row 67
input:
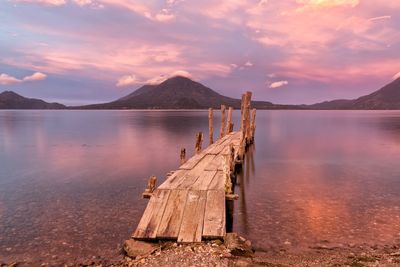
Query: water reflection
column 70, row 181
column 330, row 176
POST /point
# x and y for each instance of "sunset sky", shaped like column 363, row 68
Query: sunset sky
column 285, row 51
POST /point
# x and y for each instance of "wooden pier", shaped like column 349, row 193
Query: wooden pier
column 189, row 206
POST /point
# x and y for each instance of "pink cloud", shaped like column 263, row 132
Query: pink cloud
column 37, row 76
column 278, row 84
column 6, row 79
column 43, row 2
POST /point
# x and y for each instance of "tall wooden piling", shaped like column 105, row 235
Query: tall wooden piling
column 243, row 126
column 210, row 125
column 223, row 119
column 247, row 107
column 199, row 141
column 229, row 124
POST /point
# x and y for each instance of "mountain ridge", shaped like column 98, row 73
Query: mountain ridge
column 12, row 100
column 183, row 93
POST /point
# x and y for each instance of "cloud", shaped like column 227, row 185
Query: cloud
column 37, row 76
column 380, row 18
column 313, row 4
column 278, row 84
column 396, row 76
column 6, row 79
column 127, row 80
column 43, row 2
column 248, row 64
column 132, row 80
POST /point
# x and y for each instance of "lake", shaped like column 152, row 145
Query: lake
column 71, row 181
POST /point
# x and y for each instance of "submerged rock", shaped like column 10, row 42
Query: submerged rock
column 238, row 245
column 134, row 248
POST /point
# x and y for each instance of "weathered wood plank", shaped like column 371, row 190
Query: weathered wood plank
column 214, row 215
column 193, row 216
column 174, row 179
column 218, row 182
column 217, row 164
column 172, row 217
column 152, row 215
column 204, row 181
column 192, row 161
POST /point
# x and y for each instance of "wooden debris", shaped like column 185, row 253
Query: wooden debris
column 222, row 131
column 183, row 156
column 199, row 142
column 210, row 125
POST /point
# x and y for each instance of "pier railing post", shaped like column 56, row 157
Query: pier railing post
column 183, row 155
column 151, row 186
column 199, row 141
column 229, row 125
column 222, row 132
column 210, row 125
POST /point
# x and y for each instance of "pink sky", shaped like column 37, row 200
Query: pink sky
column 287, row 51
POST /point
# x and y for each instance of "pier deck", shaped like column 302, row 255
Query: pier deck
column 189, row 206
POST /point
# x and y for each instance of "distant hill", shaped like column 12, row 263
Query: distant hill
column 178, row 93
column 387, row 97
column 11, row 100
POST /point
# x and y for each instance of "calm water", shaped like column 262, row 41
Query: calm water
column 70, row 181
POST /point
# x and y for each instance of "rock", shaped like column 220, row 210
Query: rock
column 134, row 248
column 238, row 246
column 395, row 254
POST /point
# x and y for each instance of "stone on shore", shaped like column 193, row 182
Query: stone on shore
column 238, row 245
column 134, row 248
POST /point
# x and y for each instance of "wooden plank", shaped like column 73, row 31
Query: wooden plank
column 204, row 181
column 218, row 182
column 217, row 164
column 173, row 180
column 192, row 162
column 172, row 217
column 192, row 222
column 152, row 215
column 214, row 215
column 194, row 174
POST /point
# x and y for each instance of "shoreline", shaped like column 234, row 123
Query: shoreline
column 241, row 253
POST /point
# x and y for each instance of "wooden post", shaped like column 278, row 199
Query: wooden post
column 151, row 185
column 222, row 132
column 243, row 129
column 183, row 155
column 248, row 104
column 210, row 125
column 199, row 141
column 253, row 124
column 242, row 109
column 229, row 125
